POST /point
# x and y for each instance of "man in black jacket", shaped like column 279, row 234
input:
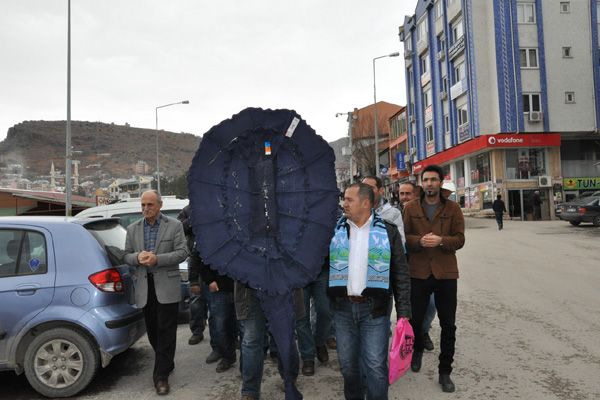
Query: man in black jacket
column 499, row 208
column 367, row 266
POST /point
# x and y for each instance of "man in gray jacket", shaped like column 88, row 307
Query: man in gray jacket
column 386, row 211
column 155, row 245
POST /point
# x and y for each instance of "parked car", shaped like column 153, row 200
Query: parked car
column 585, row 209
column 129, row 211
column 66, row 309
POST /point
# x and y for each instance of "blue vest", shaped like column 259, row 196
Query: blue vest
column 378, row 271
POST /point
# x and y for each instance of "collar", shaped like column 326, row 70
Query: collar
column 156, row 221
column 366, row 224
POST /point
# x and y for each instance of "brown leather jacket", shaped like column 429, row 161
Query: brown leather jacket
column 449, row 223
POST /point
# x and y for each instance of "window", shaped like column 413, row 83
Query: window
column 22, row 253
column 445, row 84
column 457, row 30
column 422, row 31
column 424, row 63
column 427, row 97
column 569, row 97
column 565, row 7
column 408, row 43
column 529, row 58
column 566, row 52
column 531, row 102
column 463, row 115
column 446, row 123
column 480, row 168
column 410, row 77
column 439, row 9
column 525, row 163
column 429, row 133
column 525, row 13
column 459, row 72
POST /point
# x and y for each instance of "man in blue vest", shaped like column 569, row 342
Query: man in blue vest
column 367, row 267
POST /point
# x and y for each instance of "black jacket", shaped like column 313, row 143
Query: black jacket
column 399, row 282
column 498, row 206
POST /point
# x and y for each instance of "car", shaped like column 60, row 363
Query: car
column 67, row 304
column 129, row 211
column 586, row 209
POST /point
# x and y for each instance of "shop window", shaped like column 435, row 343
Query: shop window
column 525, row 163
column 480, row 168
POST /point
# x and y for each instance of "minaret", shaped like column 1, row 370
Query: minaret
column 52, row 177
column 75, row 174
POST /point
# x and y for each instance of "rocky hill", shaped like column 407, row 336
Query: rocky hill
column 104, row 150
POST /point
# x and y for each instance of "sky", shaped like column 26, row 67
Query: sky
column 128, row 57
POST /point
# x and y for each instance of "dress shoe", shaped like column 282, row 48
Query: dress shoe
column 427, row 342
column 224, row 365
column 322, row 354
column 415, row 363
column 162, row 387
column 308, row 368
column 213, row 357
column 447, row 384
column 332, row 343
column 195, row 339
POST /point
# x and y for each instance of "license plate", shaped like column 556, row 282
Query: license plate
column 571, row 209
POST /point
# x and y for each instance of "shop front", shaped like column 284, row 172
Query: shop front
column 515, row 166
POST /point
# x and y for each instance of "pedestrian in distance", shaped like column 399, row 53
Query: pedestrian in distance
column 499, row 209
column 434, row 228
column 537, row 206
column 155, row 245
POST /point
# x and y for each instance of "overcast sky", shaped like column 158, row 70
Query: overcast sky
column 128, row 57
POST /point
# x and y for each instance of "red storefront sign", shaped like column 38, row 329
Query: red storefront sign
column 498, row 141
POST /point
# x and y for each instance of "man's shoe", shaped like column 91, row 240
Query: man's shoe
column 224, row 365
column 322, row 354
column 308, row 368
column 245, row 397
column 332, row 343
column 427, row 342
column 447, row 384
column 195, row 339
column 417, row 358
column 213, row 357
column 162, row 387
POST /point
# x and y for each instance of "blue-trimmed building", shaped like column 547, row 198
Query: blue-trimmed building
column 526, row 70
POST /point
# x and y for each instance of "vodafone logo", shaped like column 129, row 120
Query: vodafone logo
column 492, row 140
column 505, row 140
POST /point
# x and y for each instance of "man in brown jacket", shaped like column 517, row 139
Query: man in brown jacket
column 434, row 228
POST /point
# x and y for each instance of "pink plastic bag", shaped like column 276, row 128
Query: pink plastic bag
column 401, row 350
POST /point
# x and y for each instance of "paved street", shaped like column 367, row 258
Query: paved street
column 528, row 328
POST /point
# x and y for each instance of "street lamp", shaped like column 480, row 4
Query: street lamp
column 396, row 54
column 157, row 162
column 68, row 154
column 351, row 118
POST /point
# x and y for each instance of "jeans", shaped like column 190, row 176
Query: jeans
column 362, row 348
column 253, row 344
column 499, row 219
column 444, row 291
column 222, row 312
column 307, row 340
column 429, row 315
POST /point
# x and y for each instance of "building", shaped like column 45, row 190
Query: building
column 38, row 202
column 398, row 147
column 505, row 95
column 121, row 189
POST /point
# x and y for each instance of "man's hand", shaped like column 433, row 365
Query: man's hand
column 147, row 258
column 195, row 289
column 430, row 240
column 213, row 287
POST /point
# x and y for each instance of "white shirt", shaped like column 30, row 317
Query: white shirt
column 358, row 259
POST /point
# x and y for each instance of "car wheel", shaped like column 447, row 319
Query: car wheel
column 575, row 223
column 596, row 220
column 60, row 362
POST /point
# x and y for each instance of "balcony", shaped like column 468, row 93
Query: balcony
column 457, row 48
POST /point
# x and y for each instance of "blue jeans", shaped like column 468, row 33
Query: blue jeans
column 307, row 340
column 362, row 347
column 222, row 311
column 199, row 312
column 252, row 356
column 429, row 315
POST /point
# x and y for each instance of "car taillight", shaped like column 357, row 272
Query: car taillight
column 108, row 280
column 581, row 210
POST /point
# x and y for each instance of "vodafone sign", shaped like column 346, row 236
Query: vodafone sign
column 522, row 140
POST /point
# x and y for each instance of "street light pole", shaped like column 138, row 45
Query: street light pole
column 396, row 54
column 157, row 161
column 68, row 211
column 351, row 118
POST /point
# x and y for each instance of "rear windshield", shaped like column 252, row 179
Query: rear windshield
column 108, row 233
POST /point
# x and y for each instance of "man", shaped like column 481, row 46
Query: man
column 383, row 207
column 198, row 306
column 499, row 208
column 434, row 231
column 406, row 193
column 367, row 266
column 155, row 245
column 253, row 327
column 537, row 206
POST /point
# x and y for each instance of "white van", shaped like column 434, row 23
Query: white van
column 130, row 211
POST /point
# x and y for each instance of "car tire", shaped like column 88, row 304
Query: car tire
column 596, row 220
column 61, row 362
column 575, row 223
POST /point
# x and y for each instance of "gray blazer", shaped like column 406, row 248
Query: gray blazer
column 171, row 249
